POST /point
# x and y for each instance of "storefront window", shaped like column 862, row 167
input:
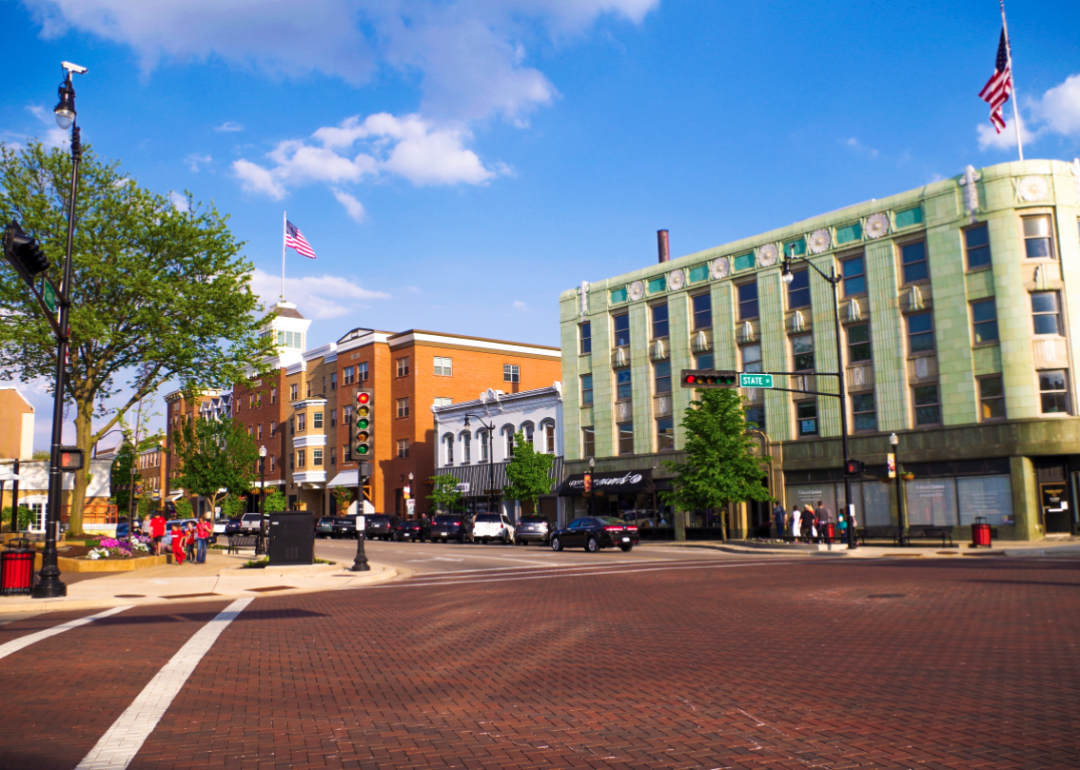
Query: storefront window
column 987, row 496
column 931, row 502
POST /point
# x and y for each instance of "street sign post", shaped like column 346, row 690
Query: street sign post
column 755, row 380
column 48, row 294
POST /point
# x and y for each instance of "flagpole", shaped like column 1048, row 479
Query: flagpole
column 1012, row 77
column 283, row 228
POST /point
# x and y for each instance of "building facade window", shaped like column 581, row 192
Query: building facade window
column 977, row 246
column 403, row 366
column 854, row 272
column 588, row 441
column 1053, row 391
column 751, row 357
column 1038, row 237
column 273, row 428
column 920, row 333
column 927, row 405
column 444, row 367
column 301, row 421
column 273, row 395
column 448, row 449
column 350, row 375
column 402, row 448
column 864, row 411
column 466, row 448
column 333, row 418
column 403, row 407
column 260, row 431
column 755, row 417
column 586, row 390
column 748, row 301
column 802, row 352
column 333, row 455
column 991, row 398
column 806, row 415
column 984, row 321
column 294, row 392
column 705, row 361
column 301, row 458
column 621, row 327
column 858, row 340
column 626, row 438
column 443, row 401
column 333, row 380
column 662, row 377
column 665, row 435
column 346, row 416
column 308, row 389
column 316, row 457
column 624, row 390
column 508, row 442
column 798, row 291
column 913, row 260
column 482, row 440
column 549, row 437
column 702, row 308
column 317, row 420
column 362, row 371
column 511, row 373
column 585, row 338
column 1045, row 313
column 659, row 320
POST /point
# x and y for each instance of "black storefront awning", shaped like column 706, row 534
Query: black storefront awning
column 610, row 483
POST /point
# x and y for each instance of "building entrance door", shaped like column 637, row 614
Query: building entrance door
column 1054, row 499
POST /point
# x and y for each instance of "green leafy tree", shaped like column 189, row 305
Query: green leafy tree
column 720, row 467
column 120, row 477
column 445, row 495
column 160, row 292
column 529, row 472
column 233, row 505
column 275, row 501
column 184, row 509
column 217, row 458
column 26, row 517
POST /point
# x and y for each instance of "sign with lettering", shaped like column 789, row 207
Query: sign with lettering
column 755, row 380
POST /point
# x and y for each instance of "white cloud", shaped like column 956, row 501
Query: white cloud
column 195, row 161
column 859, row 147
column 257, row 179
column 519, row 305
column 229, row 126
column 317, row 297
column 179, row 202
column 990, row 138
column 353, row 207
column 1057, row 111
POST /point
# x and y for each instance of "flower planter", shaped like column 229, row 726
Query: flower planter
column 103, row 565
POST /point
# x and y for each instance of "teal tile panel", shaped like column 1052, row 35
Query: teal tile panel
column 952, row 325
column 909, row 217
column 887, row 332
column 824, row 328
column 658, row 285
column 849, row 233
column 774, row 356
column 1014, row 310
column 699, row 274
column 743, row 262
column 725, row 327
column 641, row 373
column 680, row 356
column 618, row 295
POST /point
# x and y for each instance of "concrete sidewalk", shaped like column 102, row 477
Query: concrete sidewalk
column 222, row 576
column 1016, row 549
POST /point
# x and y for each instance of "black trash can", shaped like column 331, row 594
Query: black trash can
column 17, row 568
column 292, row 538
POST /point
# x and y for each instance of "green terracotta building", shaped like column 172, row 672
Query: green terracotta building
column 955, row 306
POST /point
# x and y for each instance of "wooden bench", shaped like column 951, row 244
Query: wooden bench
column 236, row 542
column 878, row 533
column 944, row 534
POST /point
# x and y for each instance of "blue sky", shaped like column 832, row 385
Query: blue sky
column 457, row 164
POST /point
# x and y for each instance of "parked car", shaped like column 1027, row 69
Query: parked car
column 232, row 527
column 413, row 529
column 451, row 526
column 380, row 526
column 532, row 529
column 325, row 527
column 166, row 542
column 123, row 529
column 344, row 526
column 492, row 526
column 596, row 532
column 250, row 523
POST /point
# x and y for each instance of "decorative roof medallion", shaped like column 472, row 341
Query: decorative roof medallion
column 720, row 268
column 637, row 290
column 1033, row 189
column 766, row 255
column 876, row 225
column 820, row 241
column 676, row 280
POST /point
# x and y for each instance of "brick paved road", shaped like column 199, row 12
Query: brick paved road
column 796, row 664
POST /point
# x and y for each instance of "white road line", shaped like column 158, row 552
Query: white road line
column 119, row 745
column 547, row 565
column 26, row 641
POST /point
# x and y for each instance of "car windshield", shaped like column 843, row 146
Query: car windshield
column 379, row 517
column 447, row 519
column 487, row 518
column 326, row 520
column 609, row 520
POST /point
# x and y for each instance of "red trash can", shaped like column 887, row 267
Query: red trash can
column 980, row 533
column 830, row 532
column 17, row 570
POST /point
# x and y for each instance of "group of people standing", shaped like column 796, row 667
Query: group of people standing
column 188, row 542
column 806, row 523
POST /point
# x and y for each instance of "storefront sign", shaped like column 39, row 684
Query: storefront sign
column 610, row 483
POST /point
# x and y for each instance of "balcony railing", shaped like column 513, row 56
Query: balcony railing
column 922, row 368
column 860, row 376
column 662, row 405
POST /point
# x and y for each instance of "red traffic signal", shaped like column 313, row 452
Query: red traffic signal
column 364, row 425
column 853, row 468
column 71, row 459
column 709, row 378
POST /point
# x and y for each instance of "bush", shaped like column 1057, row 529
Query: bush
column 184, row 509
column 26, row 517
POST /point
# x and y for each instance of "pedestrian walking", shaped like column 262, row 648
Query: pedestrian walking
column 809, row 519
column 796, row 522
column 189, row 541
column 203, row 530
column 146, row 527
column 780, row 517
column 178, row 544
column 157, row 531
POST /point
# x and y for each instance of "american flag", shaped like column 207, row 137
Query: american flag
column 999, row 86
column 295, row 240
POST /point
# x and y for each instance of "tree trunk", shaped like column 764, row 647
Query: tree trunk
column 83, row 440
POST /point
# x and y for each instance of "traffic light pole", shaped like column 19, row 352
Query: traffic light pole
column 360, row 562
column 50, row 585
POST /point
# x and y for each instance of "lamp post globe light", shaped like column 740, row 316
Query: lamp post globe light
column 50, row 585
column 262, row 500
column 901, row 515
column 834, row 280
column 491, row 457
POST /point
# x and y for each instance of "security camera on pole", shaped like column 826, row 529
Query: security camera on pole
column 363, row 432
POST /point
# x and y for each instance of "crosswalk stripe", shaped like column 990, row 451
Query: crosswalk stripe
column 119, row 745
column 25, row 641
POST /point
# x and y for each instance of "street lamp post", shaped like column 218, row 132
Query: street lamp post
column 491, row 457
column 50, row 585
column 834, row 280
column 360, row 560
column 262, row 498
column 894, row 442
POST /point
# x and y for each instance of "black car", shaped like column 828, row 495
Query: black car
column 449, row 526
column 233, row 527
column 380, row 526
column 532, row 529
column 344, row 526
column 413, row 529
column 596, row 532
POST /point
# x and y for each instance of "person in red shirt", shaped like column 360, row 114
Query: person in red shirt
column 157, row 531
column 178, row 543
column 203, row 530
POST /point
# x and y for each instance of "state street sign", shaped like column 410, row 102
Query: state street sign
column 755, row 380
column 49, row 295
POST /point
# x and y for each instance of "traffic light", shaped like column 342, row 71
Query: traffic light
column 709, row 378
column 364, row 425
column 853, row 468
column 71, row 458
column 23, row 253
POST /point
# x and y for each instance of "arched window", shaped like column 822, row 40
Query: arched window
column 448, row 443
column 508, row 441
column 527, row 428
column 466, row 447
column 547, row 427
column 482, row 439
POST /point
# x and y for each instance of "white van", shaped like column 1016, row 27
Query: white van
column 492, row 526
